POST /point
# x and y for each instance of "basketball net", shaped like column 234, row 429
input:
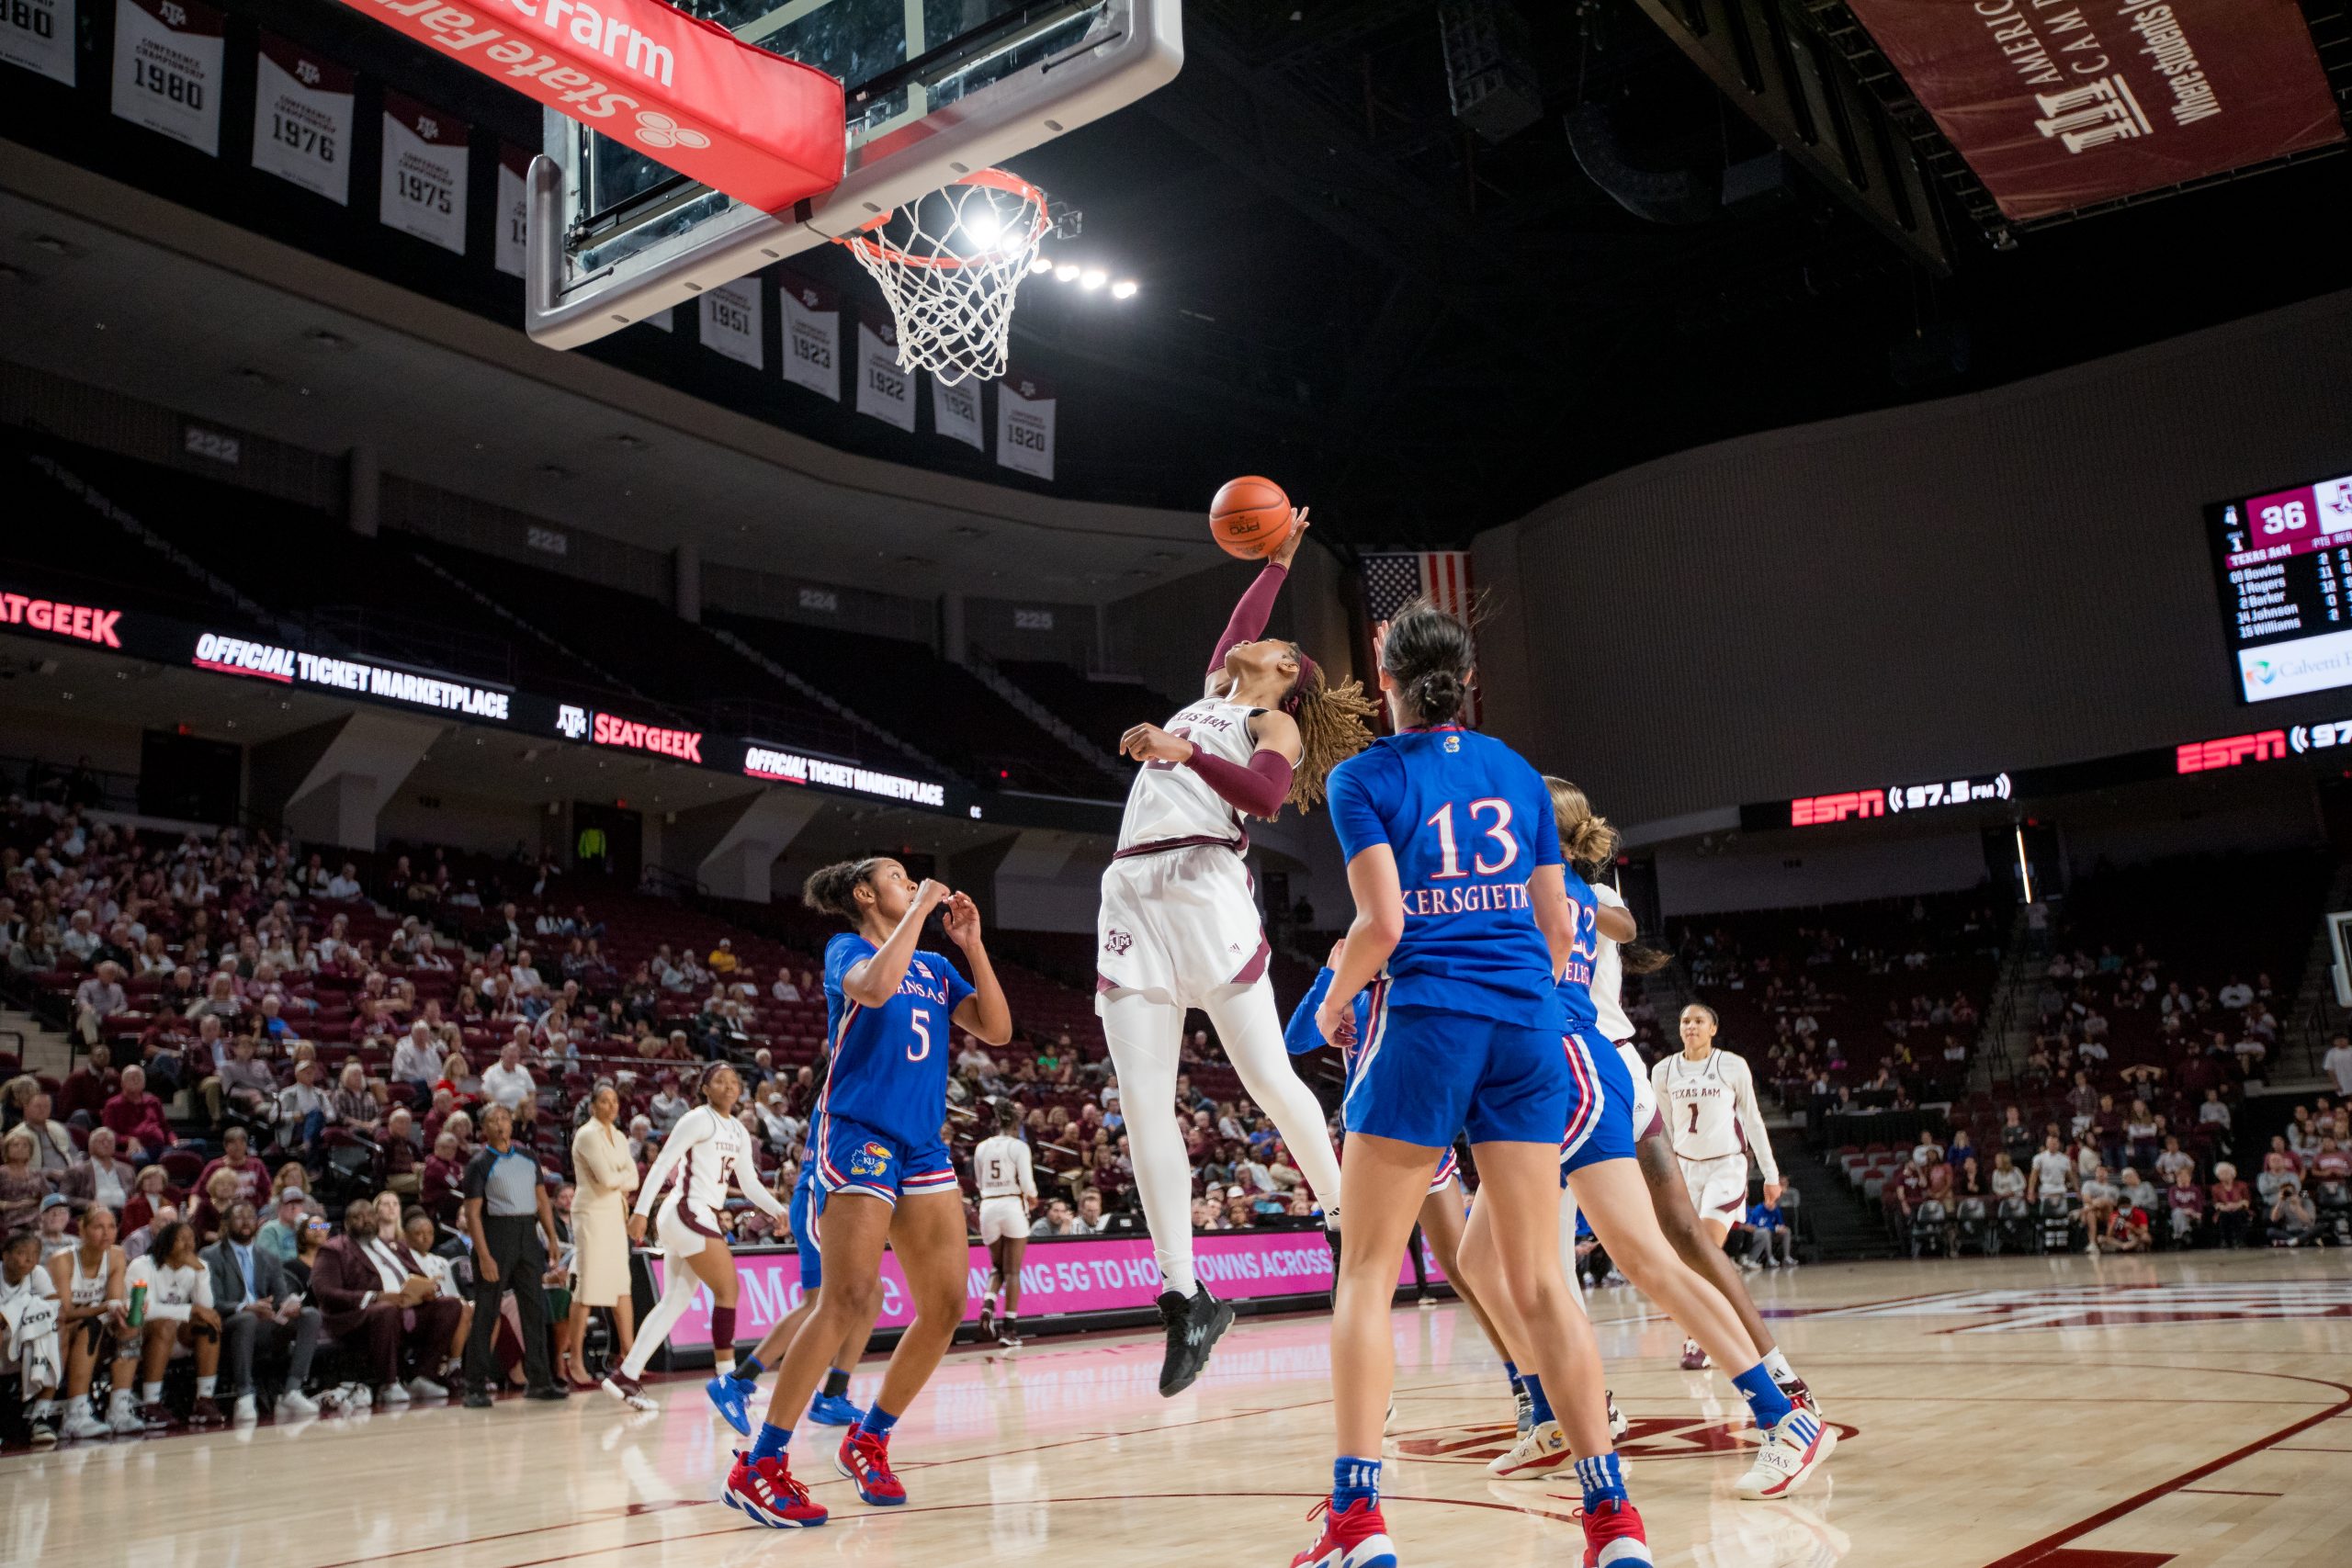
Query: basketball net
column 950, row 263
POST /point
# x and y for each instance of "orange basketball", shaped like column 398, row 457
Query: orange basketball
column 1249, row 518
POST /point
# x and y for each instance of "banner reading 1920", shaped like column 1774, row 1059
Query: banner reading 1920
column 2062, row 104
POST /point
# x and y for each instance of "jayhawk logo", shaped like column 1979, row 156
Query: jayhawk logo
column 871, row 1159
column 1118, row 941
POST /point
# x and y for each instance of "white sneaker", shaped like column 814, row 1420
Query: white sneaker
column 354, row 1397
column 80, row 1425
column 423, row 1387
column 248, row 1412
column 1617, row 1421
column 294, row 1404
column 1542, row 1450
column 123, row 1416
column 391, row 1394
column 1791, row 1452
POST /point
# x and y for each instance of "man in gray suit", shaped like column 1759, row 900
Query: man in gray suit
column 261, row 1310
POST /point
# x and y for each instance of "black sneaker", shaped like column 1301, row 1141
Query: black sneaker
column 988, row 1318
column 552, row 1392
column 1194, row 1326
column 478, row 1398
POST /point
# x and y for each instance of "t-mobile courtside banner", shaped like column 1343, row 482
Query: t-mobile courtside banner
column 2062, row 104
column 514, row 207
column 1025, row 425
column 38, row 35
column 812, row 335
column 684, row 92
column 167, row 69
column 302, row 117
column 424, row 190
column 885, row 389
column 1095, row 1275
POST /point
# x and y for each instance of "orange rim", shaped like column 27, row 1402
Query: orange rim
column 992, row 179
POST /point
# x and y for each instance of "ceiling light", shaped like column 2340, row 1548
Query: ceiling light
column 1066, row 273
column 326, row 339
column 1093, row 278
column 1043, row 263
column 984, row 227
column 1123, row 289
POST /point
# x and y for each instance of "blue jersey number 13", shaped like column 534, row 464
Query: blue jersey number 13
column 1499, row 831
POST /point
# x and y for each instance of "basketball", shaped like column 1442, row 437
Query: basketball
column 1249, row 518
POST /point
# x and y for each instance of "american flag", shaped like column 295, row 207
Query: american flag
column 1393, row 579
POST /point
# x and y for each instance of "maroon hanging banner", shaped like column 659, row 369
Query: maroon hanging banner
column 2063, row 104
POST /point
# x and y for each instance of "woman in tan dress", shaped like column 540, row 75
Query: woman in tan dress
column 606, row 1175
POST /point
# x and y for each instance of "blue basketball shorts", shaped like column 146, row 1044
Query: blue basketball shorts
column 1426, row 1073
column 808, row 1203
column 852, row 1158
column 1600, row 1106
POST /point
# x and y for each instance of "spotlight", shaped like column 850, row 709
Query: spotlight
column 984, row 227
column 1041, row 264
column 1123, row 289
column 1066, row 273
column 1093, row 278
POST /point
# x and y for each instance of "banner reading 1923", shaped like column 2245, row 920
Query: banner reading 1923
column 302, row 112
column 167, row 69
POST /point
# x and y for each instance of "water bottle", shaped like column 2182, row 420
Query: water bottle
column 137, row 1318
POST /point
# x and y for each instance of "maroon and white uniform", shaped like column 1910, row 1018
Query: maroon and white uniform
column 1712, row 1119
column 708, row 1153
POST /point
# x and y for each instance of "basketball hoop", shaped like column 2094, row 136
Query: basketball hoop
column 949, row 263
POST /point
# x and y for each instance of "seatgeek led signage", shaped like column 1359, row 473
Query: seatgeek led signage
column 386, row 683
column 763, row 761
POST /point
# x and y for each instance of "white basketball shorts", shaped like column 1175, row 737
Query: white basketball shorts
column 1648, row 1124
column 1178, row 925
column 1718, row 1187
column 1001, row 1218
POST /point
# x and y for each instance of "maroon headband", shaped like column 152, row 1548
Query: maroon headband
column 1307, row 669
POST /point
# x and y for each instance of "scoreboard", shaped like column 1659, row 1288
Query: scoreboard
column 2284, row 564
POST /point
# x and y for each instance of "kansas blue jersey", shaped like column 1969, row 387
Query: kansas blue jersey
column 1300, row 1034
column 889, row 1064
column 1576, row 980
column 1469, row 822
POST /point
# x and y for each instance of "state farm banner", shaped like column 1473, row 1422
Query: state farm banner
column 424, row 189
column 812, row 335
column 513, row 209
column 731, row 321
column 884, row 389
column 1059, row 1278
column 956, row 412
column 38, row 36
column 684, row 92
column 2062, row 104
column 167, row 69
column 302, row 117
column 1025, row 425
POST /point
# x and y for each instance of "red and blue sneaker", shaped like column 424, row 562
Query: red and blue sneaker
column 1612, row 1535
column 1354, row 1537
column 764, row 1489
column 866, row 1460
column 731, row 1397
column 834, row 1410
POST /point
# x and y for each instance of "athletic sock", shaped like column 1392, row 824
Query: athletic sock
column 204, row 1386
column 772, row 1441
column 877, row 1422
column 1012, row 1324
column 748, row 1370
column 1534, row 1387
column 151, row 1392
column 1177, row 1276
column 1765, row 1400
column 836, row 1384
column 1510, row 1371
column 1778, row 1365
column 1603, row 1480
column 1354, row 1480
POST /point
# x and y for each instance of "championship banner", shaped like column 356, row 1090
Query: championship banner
column 956, row 412
column 38, row 36
column 303, row 119
column 731, row 321
column 1059, row 1278
column 424, row 189
column 884, row 389
column 1025, row 425
column 167, row 69
column 812, row 335
column 513, row 209
column 684, row 92
column 2059, row 105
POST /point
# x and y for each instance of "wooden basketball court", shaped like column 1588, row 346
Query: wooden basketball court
column 2065, row 1412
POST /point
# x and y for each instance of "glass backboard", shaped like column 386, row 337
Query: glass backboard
column 934, row 89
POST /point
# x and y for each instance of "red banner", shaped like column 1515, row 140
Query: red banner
column 2063, row 104
column 685, row 92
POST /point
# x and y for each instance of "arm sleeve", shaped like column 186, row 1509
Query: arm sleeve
column 203, row 1297
column 1299, row 1032
column 1028, row 1172
column 689, row 1132
column 1250, row 615
column 747, row 1181
column 1257, row 790
column 1751, row 1123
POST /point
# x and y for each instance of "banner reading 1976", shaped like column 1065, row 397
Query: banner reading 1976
column 302, row 115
